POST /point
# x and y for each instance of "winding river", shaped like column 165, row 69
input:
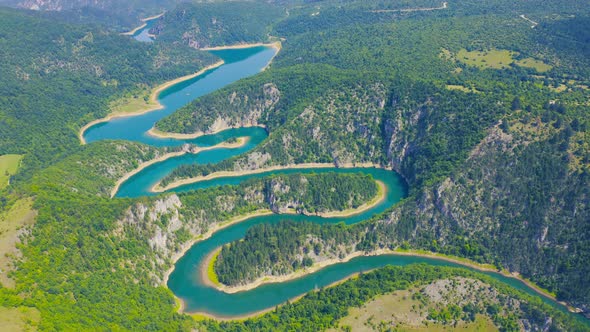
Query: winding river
column 185, row 281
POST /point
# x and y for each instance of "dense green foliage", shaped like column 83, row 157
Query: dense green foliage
column 280, row 95
column 101, row 254
column 441, row 136
column 498, row 175
column 281, row 248
column 76, row 288
column 113, row 14
column 321, row 192
column 54, row 78
column 400, row 113
column 322, row 309
column 95, row 169
column 301, row 193
column 206, row 24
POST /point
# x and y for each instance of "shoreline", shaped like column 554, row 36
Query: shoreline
column 241, row 141
column 224, row 174
column 379, row 198
column 276, row 45
column 485, row 268
column 412, row 253
column 264, row 280
column 153, row 100
column 144, row 20
column 204, row 268
column 161, row 134
column 154, row 132
column 212, row 230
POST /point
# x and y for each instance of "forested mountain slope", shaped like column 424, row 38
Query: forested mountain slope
column 57, row 77
column 201, row 25
column 121, row 14
column 482, row 114
column 485, row 117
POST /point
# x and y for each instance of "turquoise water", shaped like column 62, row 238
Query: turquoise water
column 135, row 128
column 142, row 35
column 185, row 280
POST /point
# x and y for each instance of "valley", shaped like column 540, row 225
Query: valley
column 294, row 165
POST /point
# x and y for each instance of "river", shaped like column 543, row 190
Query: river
column 185, row 281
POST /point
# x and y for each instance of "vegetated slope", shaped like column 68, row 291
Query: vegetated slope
column 499, row 175
column 442, row 298
column 201, row 25
column 95, row 263
column 119, row 13
column 109, row 256
column 55, row 77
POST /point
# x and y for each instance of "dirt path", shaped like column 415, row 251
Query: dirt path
column 534, row 24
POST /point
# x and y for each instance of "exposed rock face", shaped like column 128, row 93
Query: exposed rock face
column 252, row 109
column 169, row 225
column 510, row 195
column 513, row 202
column 342, row 127
column 159, row 223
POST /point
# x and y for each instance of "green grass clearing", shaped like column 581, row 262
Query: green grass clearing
column 135, row 101
column 406, row 314
column 499, row 59
column 461, row 88
column 495, row 59
column 8, row 166
column 538, row 65
column 481, row 324
column 211, row 269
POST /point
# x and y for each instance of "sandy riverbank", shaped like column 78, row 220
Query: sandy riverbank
column 380, row 197
column 153, row 100
column 201, row 315
column 271, row 279
column 203, row 269
column 160, row 134
column 212, row 230
column 276, row 45
column 224, row 174
column 240, row 141
column 132, row 32
column 318, row 266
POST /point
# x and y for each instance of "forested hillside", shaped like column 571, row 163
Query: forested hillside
column 201, row 25
column 119, row 15
column 57, row 77
column 482, row 114
column 116, row 251
column 441, row 297
column 482, row 111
